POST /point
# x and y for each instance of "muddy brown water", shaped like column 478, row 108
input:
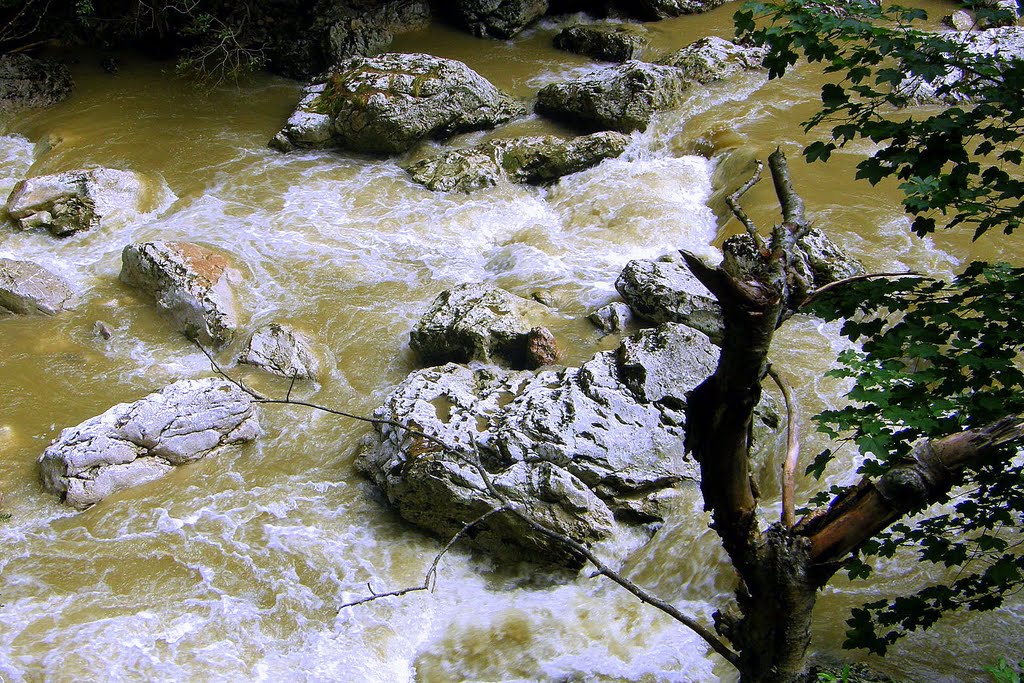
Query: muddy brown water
column 233, row 568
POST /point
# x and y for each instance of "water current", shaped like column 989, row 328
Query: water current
column 233, row 568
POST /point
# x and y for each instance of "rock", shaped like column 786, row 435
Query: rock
column 541, row 348
column 960, row 20
column 27, row 289
column 477, row 322
column 713, row 59
column 73, row 201
column 190, row 283
column 576, row 445
column 366, row 29
column 388, row 104
column 1005, row 45
column 654, row 10
column 133, row 443
column 535, row 160
column 611, row 318
column 611, row 43
column 102, row 330
column 622, row 98
column 826, row 261
column 498, row 18
column 28, row 82
column 1006, row 13
column 666, row 291
column 280, row 350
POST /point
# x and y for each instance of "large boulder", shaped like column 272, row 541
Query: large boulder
column 28, row 82
column 576, row 446
column 477, row 322
column 73, row 201
column 497, row 18
column 666, row 291
column 622, row 98
column 281, row 350
column 608, row 42
column 133, row 443
column 536, row 160
column 654, row 10
column 27, row 288
column 1005, row 45
column 365, row 29
column 713, row 59
column 389, row 103
column 191, row 284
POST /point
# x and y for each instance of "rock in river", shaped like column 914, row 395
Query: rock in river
column 608, row 42
column 577, row 447
column 713, row 58
column 133, row 443
column 497, row 18
column 389, row 103
column 190, row 283
column 29, row 82
column 622, row 98
column 27, row 288
column 280, row 350
column 73, row 201
column 476, row 322
column 536, row 160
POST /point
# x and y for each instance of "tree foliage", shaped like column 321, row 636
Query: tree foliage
column 935, row 357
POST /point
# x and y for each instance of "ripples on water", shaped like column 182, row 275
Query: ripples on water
column 233, row 568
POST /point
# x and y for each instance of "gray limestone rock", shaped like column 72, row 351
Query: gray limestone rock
column 622, row 98
column 535, row 160
column 608, row 42
column 29, row 82
column 666, row 291
column 577, row 446
column 477, row 322
column 611, row 318
column 27, row 288
column 281, row 350
column 1004, row 44
column 826, row 261
column 960, row 20
column 498, row 18
column 191, row 284
column 712, row 59
column 73, row 201
column 133, row 443
column 389, row 103
column 368, row 29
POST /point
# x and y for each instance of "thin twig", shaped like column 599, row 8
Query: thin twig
column 733, row 201
column 792, row 452
column 430, row 578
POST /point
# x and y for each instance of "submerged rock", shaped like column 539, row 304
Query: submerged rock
column 611, row 318
column 713, row 59
column 535, row 160
column 576, row 446
column 281, row 350
column 73, row 201
column 27, row 288
column 388, row 104
column 28, row 82
column 666, row 291
column 191, row 284
column 609, row 42
column 497, row 18
column 477, row 322
column 133, row 443
column 622, row 98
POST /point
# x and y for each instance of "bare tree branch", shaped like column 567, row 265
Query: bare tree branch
column 815, row 294
column 733, row 201
column 430, row 578
column 792, row 452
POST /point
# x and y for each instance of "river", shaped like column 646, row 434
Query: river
column 233, row 568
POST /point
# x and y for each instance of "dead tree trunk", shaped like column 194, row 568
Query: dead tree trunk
column 781, row 568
